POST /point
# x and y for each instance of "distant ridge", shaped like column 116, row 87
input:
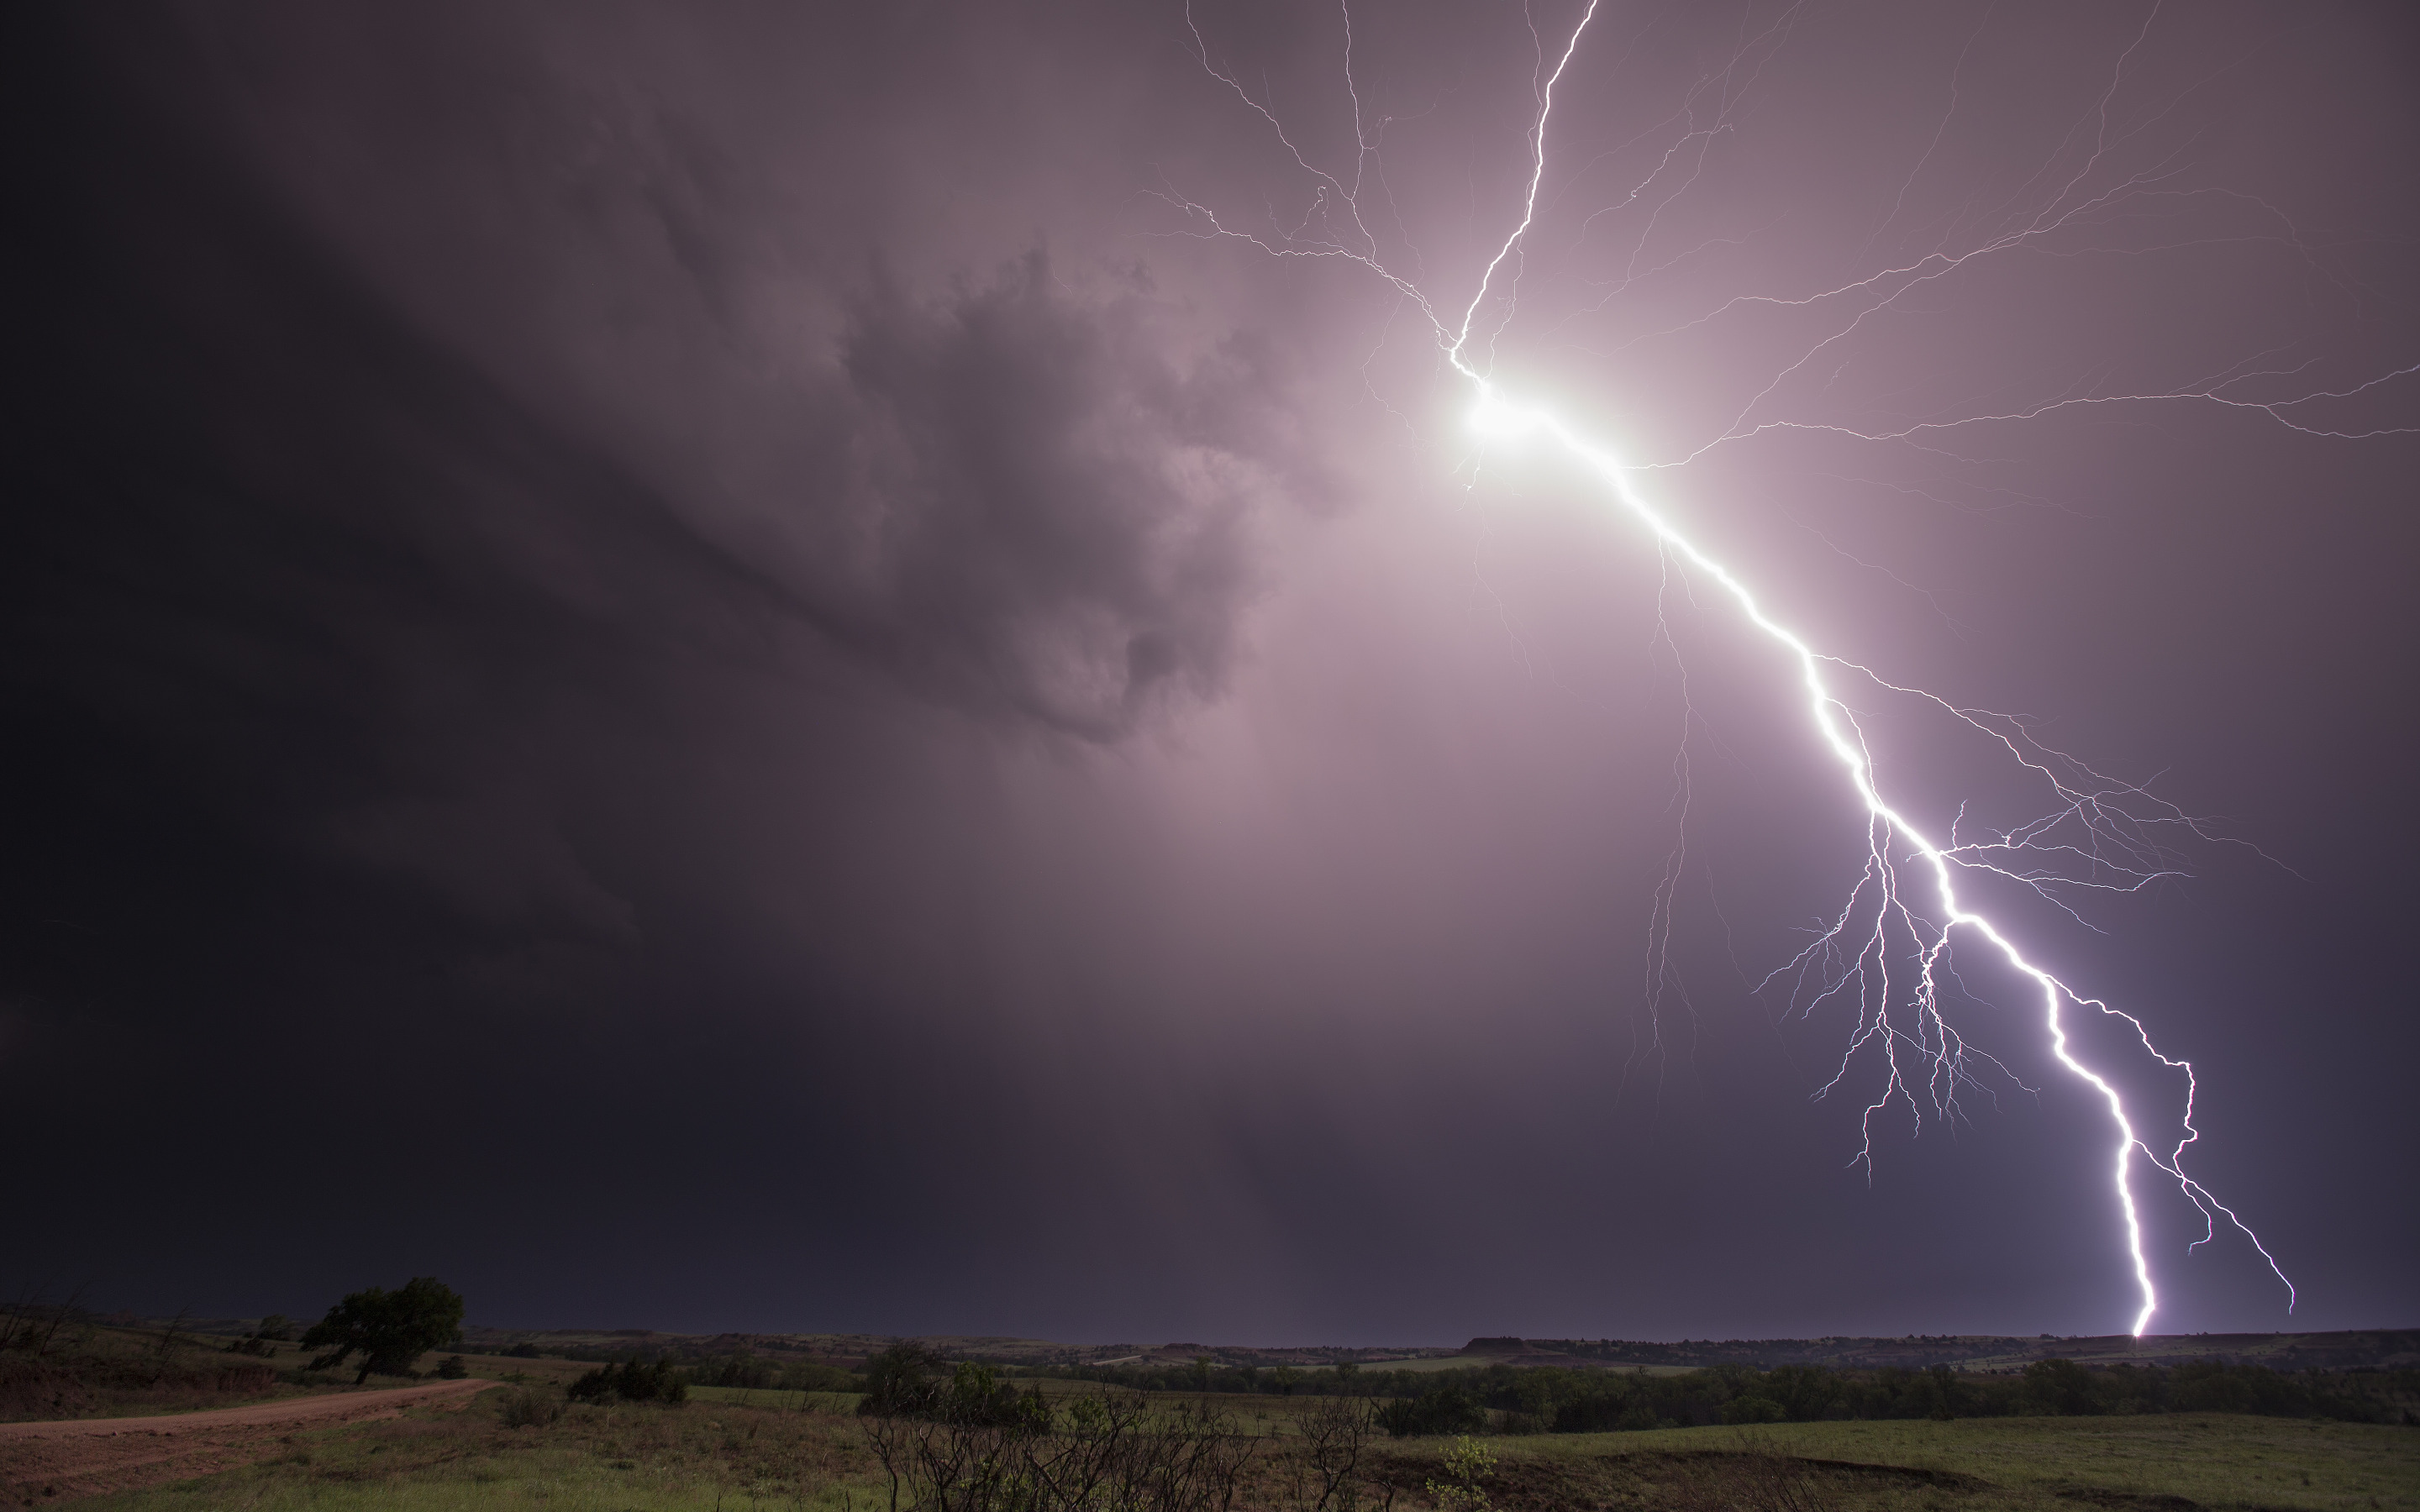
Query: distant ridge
column 2346, row 1349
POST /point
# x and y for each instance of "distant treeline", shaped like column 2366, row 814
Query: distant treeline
column 757, row 1373
column 1505, row 1398
column 2342, row 1350
column 1552, row 1400
column 743, row 1368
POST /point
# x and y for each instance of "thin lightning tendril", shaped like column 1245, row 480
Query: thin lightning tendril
column 2098, row 837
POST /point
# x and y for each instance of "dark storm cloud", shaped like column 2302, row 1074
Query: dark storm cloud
column 672, row 662
column 1022, row 483
column 299, row 534
column 396, row 710
column 1037, row 505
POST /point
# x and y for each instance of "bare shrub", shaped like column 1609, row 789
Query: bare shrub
column 1103, row 1452
column 29, row 1325
column 1334, row 1436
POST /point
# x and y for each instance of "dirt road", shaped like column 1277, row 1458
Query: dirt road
column 47, row 1462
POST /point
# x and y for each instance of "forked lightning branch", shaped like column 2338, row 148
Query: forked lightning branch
column 1888, row 951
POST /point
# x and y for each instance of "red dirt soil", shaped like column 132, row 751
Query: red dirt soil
column 47, row 1462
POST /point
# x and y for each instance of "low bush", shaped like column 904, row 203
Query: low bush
column 636, row 1381
column 972, row 1396
column 528, row 1409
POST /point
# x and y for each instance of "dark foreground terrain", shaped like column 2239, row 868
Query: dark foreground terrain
column 544, row 1422
column 518, row 1450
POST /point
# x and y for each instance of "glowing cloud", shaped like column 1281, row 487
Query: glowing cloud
column 1906, row 905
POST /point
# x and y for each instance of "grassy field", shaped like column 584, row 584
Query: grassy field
column 291, row 1358
column 100, row 1371
column 729, row 1450
column 94, row 1371
column 621, row 1458
column 2208, row 1459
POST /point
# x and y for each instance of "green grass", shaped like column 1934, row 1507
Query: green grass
column 2214, row 1459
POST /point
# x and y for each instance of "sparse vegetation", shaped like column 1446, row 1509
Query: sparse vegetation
column 1466, row 1464
column 977, row 1445
column 639, row 1457
column 85, row 1371
column 525, row 1407
column 1448, row 1408
column 914, row 1431
column 1337, row 1434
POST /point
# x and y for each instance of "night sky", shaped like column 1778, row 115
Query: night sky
column 707, row 667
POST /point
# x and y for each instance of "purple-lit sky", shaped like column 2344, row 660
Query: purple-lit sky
column 707, row 667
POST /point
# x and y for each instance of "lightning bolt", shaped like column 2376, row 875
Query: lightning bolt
column 1906, row 904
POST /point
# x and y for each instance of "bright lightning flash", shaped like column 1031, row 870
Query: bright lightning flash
column 1902, row 862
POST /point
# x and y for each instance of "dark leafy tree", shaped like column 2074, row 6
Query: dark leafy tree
column 1447, row 1409
column 2060, row 1387
column 1804, row 1392
column 1747, row 1407
column 390, row 1329
column 900, row 1382
column 597, row 1385
column 658, row 1382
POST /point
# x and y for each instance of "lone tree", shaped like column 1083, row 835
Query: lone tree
column 391, row 1329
